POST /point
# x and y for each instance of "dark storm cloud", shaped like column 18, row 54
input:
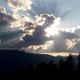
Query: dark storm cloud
column 4, row 36
column 5, row 19
column 49, row 19
column 6, row 32
column 9, row 34
column 37, row 38
column 13, row 43
column 29, row 25
column 11, row 38
column 8, row 39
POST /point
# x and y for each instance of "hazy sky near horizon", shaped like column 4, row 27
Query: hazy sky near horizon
column 40, row 25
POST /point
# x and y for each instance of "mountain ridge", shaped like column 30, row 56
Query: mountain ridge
column 11, row 59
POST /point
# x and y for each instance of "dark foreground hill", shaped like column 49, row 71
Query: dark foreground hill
column 19, row 65
column 11, row 59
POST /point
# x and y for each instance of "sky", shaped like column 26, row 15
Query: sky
column 40, row 25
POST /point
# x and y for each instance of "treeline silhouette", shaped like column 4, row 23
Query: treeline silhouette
column 64, row 69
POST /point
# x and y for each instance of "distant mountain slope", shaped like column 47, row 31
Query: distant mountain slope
column 11, row 59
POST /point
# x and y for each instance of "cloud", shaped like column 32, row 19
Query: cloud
column 23, row 32
column 5, row 19
column 2, row 9
column 13, row 43
column 29, row 25
column 33, row 32
column 76, row 48
column 62, row 42
column 59, row 45
column 38, row 26
column 5, row 36
column 67, row 35
column 6, row 32
column 19, row 4
column 11, row 27
column 39, row 48
column 45, row 19
column 37, row 38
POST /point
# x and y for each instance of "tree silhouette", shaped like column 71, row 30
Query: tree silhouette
column 78, row 65
column 29, row 72
column 61, row 65
column 70, row 66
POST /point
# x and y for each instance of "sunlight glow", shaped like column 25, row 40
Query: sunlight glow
column 19, row 4
column 39, row 48
column 62, row 54
column 53, row 29
column 20, row 21
column 71, row 43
